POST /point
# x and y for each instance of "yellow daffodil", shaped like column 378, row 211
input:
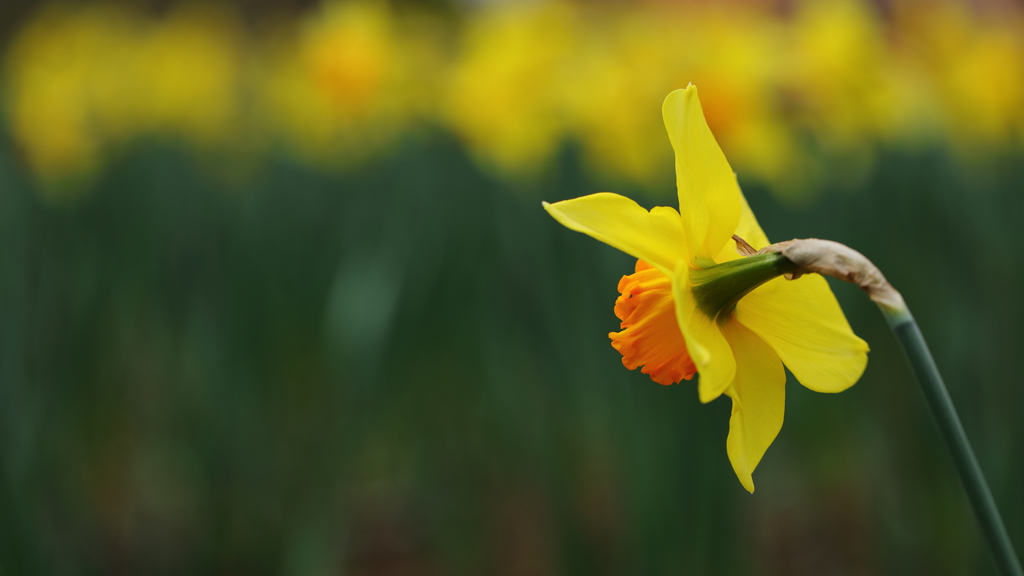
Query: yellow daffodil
column 695, row 305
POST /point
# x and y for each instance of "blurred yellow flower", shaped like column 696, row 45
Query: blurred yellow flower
column 694, row 305
column 50, row 68
column 83, row 80
column 189, row 75
column 798, row 97
column 329, row 90
column 504, row 89
column 977, row 68
column 627, row 62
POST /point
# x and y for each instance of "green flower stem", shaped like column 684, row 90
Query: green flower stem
column 719, row 287
column 812, row 255
column 909, row 335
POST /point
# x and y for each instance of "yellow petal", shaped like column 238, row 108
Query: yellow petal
column 708, row 348
column 802, row 321
column 758, row 400
column 748, row 229
column 655, row 237
column 709, row 197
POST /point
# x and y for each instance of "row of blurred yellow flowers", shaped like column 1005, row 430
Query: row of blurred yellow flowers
column 825, row 83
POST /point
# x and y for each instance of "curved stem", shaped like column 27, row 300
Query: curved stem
column 839, row 261
column 909, row 335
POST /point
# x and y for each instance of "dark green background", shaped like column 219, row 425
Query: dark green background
column 405, row 370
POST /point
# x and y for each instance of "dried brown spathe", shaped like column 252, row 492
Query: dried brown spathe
column 837, row 260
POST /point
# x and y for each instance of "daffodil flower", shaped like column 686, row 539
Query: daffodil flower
column 695, row 305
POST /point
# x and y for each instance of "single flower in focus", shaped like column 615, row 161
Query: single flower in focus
column 694, row 305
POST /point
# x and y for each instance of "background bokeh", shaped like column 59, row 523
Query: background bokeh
column 277, row 295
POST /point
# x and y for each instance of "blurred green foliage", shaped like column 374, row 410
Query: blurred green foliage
column 405, row 370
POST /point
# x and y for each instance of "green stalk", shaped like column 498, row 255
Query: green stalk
column 718, row 288
column 909, row 335
column 828, row 258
